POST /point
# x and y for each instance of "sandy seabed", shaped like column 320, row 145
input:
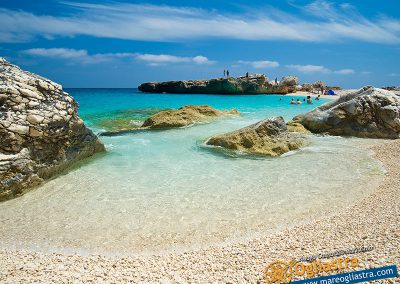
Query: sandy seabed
column 373, row 221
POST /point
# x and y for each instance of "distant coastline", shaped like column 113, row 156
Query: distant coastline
column 249, row 84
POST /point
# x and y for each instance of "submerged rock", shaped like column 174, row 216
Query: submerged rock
column 254, row 84
column 267, row 137
column 174, row 118
column 40, row 131
column 368, row 112
column 127, row 119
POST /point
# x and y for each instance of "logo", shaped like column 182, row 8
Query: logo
column 279, row 272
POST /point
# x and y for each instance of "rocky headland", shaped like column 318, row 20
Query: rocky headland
column 269, row 137
column 253, row 84
column 369, row 113
column 174, row 118
column 40, row 131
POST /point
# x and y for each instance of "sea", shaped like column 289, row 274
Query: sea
column 162, row 191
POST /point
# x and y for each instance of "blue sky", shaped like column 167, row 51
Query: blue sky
column 124, row 43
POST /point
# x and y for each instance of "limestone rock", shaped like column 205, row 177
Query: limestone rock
column 37, row 140
column 184, row 116
column 306, row 87
column 35, row 119
column 394, row 89
column 254, row 84
column 174, row 118
column 319, row 85
column 268, row 137
column 368, row 112
column 289, row 84
column 296, row 127
column 289, row 81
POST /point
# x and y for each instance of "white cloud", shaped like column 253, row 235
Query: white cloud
column 83, row 56
column 345, row 72
column 260, row 64
column 201, row 59
column 319, row 69
column 75, row 55
column 157, row 59
column 161, row 58
column 393, row 75
column 309, row 68
column 324, row 22
column 57, row 52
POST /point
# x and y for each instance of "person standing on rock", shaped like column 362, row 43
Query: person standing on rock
column 224, row 73
column 247, row 74
column 227, row 73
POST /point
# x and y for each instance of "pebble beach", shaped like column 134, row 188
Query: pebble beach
column 373, row 221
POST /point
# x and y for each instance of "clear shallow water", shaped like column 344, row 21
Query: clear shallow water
column 164, row 189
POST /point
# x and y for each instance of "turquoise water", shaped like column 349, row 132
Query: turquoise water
column 162, row 190
column 101, row 101
column 98, row 105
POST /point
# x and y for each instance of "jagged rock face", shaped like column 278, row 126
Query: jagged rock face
column 394, row 89
column 40, row 131
column 257, row 84
column 289, row 81
column 306, row 87
column 296, row 127
column 268, row 137
column 368, row 112
column 319, row 85
column 174, row 118
column 289, row 84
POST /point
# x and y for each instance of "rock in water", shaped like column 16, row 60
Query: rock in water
column 184, row 116
column 368, row 112
column 296, row 127
column 254, row 84
column 174, row 118
column 267, row 137
column 40, row 131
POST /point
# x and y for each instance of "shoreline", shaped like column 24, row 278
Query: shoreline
column 313, row 95
column 372, row 220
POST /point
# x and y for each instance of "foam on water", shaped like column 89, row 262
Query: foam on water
column 159, row 190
